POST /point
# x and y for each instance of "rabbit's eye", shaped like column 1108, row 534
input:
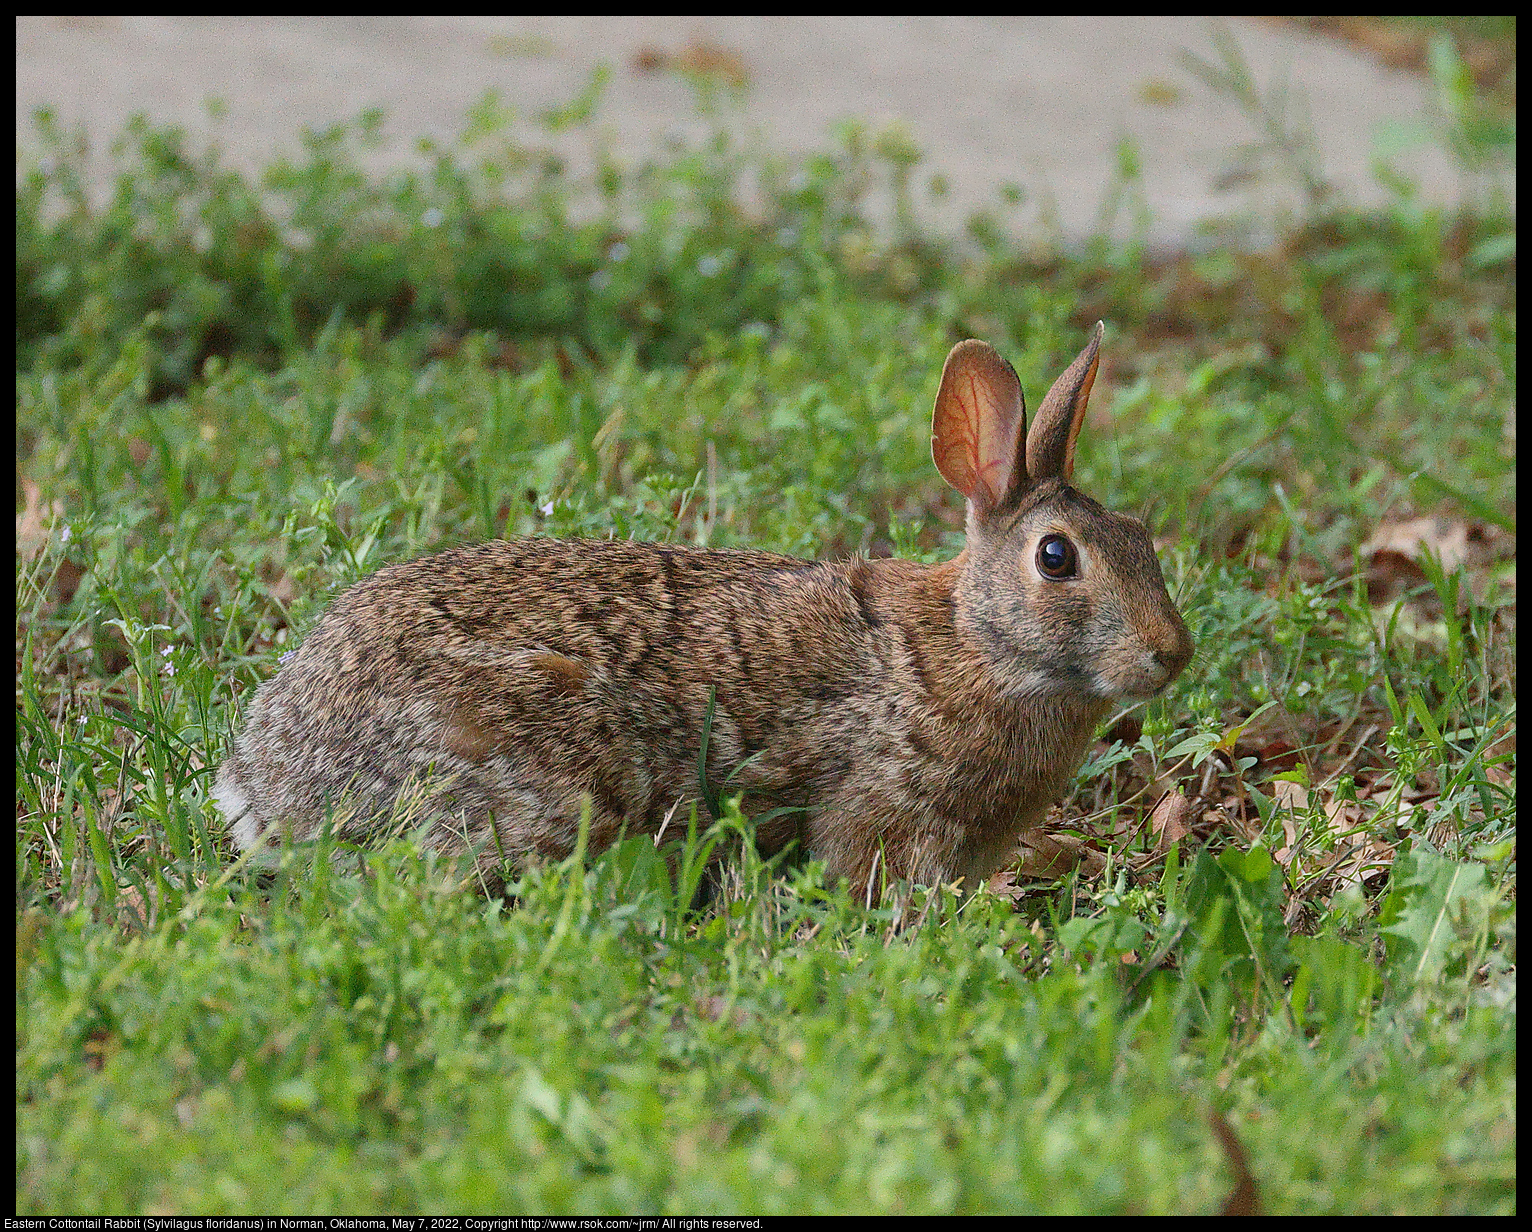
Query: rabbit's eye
column 1056, row 558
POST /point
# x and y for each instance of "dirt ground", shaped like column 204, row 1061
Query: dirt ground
column 1041, row 102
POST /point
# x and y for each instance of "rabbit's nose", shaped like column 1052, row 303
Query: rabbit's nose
column 1174, row 657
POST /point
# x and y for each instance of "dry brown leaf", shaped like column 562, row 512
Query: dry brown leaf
column 1389, row 574
column 1344, row 816
column 1395, row 551
column 714, row 61
column 1003, row 883
column 284, row 590
column 35, row 522
column 1488, row 60
column 1046, row 856
column 1359, row 859
column 1291, row 798
column 36, row 526
column 133, row 911
column 66, row 580
column 1502, row 775
column 1277, row 755
column 699, row 56
column 1236, row 816
column 1171, row 820
column 1290, row 795
column 1443, row 832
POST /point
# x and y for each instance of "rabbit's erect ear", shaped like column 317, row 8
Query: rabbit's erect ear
column 980, row 424
column 1051, row 443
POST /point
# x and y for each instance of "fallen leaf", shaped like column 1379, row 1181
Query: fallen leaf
column 1290, row 795
column 1045, row 857
column 1363, row 859
column 1277, row 755
column 1394, row 553
column 35, row 522
column 1291, row 798
column 284, row 590
column 1171, row 819
column 700, row 57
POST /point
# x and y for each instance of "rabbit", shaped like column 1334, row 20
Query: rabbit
column 898, row 720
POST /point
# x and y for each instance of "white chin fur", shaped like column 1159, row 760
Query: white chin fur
column 1139, row 691
column 1031, row 684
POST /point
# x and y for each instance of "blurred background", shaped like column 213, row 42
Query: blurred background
column 1183, row 128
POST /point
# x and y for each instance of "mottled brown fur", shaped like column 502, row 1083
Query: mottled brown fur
column 914, row 719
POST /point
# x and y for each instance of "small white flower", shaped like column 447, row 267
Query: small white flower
column 64, row 535
column 708, row 266
column 601, row 279
column 432, row 218
column 547, row 510
column 617, row 252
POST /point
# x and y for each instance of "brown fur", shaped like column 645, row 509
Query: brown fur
column 914, row 718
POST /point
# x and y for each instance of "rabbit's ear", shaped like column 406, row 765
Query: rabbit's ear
column 980, row 424
column 1051, row 443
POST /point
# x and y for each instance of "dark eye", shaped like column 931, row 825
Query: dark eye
column 1056, row 558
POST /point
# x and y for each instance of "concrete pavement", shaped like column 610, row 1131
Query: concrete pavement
column 1041, row 102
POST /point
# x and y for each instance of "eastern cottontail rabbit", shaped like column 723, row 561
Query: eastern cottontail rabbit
column 908, row 720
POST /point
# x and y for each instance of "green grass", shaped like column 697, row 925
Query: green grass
column 224, row 418
column 384, row 1042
